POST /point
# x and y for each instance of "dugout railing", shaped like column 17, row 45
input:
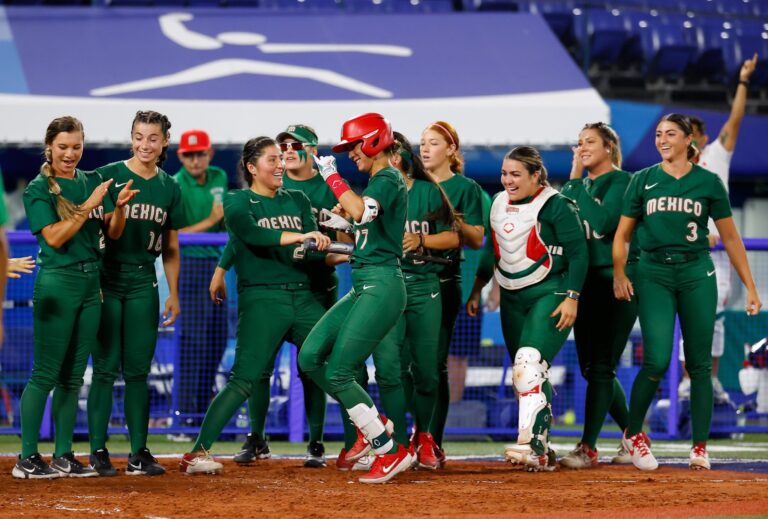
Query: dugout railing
column 485, row 407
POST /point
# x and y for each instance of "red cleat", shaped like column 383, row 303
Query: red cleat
column 361, row 446
column 426, row 451
column 440, row 455
column 388, row 466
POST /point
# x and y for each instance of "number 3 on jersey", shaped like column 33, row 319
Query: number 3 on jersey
column 155, row 243
column 361, row 234
column 694, row 234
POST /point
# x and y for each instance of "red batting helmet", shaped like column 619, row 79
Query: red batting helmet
column 372, row 129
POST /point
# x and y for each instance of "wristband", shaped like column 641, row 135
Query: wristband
column 337, row 185
column 572, row 294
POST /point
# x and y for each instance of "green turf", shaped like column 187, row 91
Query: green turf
column 753, row 446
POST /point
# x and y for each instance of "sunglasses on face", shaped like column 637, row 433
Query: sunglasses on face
column 194, row 154
column 295, row 146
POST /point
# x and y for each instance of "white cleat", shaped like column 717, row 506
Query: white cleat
column 699, row 459
column 524, row 455
column 639, row 447
column 623, row 457
column 199, row 463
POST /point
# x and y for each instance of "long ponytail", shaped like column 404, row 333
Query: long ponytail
column 65, row 208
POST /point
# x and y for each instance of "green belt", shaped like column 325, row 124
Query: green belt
column 129, row 267
column 83, row 266
column 672, row 257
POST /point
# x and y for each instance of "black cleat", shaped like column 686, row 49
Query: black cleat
column 69, row 467
column 315, row 458
column 144, row 464
column 100, row 462
column 253, row 449
column 33, row 467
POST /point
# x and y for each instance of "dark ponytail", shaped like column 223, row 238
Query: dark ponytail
column 151, row 117
column 414, row 168
column 252, row 150
column 65, row 208
column 684, row 123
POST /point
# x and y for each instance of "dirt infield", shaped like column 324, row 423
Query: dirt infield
column 282, row 488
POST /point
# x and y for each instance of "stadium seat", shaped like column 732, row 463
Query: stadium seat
column 713, row 41
column 667, row 44
column 295, row 5
column 491, row 5
column 607, row 33
column 560, row 17
column 399, row 6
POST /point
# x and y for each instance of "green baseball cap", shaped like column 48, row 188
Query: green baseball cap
column 301, row 133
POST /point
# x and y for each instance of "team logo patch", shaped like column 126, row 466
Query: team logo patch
column 192, row 140
column 509, row 227
column 512, row 209
column 336, row 184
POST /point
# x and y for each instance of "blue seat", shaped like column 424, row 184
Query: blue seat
column 739, row 7
column 295, row 5
column 491, row 5
column 559, row 16
column 703, row 6
column 667, row 43
column 607, row 33
column 712, row 41
column 398, row 6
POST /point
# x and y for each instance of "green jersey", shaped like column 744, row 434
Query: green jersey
column 256, row 223
column 561, row 231
column 672, row 213
column 154, row 210
column 197, row 201
column 87, row 245
column 321, row 197
column 465, row 196
column 3, row 210
column 424, row 200
column 472, row 257
column 600, row 202
column 380, row 241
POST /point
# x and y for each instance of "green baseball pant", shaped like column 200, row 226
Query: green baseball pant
column 66, row 312
column 684, row 286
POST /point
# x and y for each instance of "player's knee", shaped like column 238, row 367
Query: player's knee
column 425, row 381
column 308, row 360
column 530, row 370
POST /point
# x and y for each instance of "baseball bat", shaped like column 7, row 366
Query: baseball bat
column 347, row 248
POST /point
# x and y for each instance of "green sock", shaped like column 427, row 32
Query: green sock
column 219, row 413
column 137, row 413
column 32, row 408
column 64, row 408
column 599, row 398
column 423, row 407
column 99, row 411
column 440, row 414
column 314, row 406
column 258, row 407
column 702, row 401
column 618, row 410
column 643, row 391
column 393, row 401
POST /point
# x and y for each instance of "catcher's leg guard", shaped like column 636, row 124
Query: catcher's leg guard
column 367, row 420
column 529, row 374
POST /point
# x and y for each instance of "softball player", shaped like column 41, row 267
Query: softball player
column 541, row 261
column 441, row 154
column 67, row 210
column 128, row 330
column 339, row 344
column 274, row 296
column 670, row 204
column 603, row 324
column 430, row 226
column 298, row 143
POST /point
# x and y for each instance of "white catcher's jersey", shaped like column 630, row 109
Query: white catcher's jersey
column 716, row 159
